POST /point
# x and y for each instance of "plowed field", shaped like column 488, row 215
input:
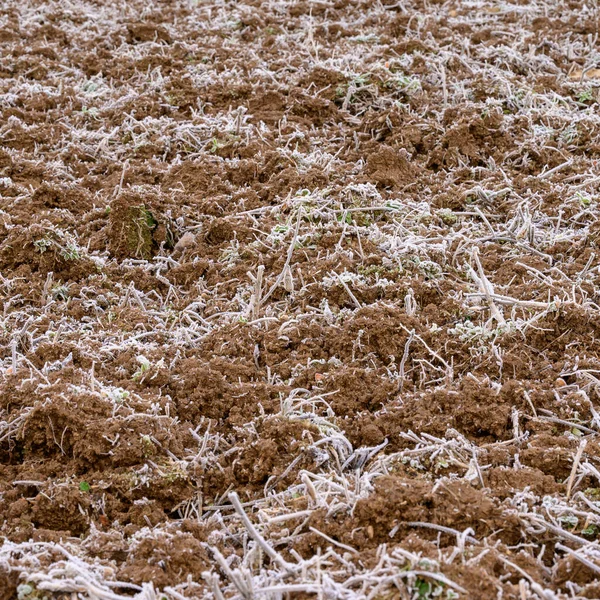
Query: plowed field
column 299, row 299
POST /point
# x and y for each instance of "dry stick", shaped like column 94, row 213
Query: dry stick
column 29, row 482
column 595, row 414
column 475, row 463
column 310, row 488
column 516, row 568
column 507, row 300
column 449, row 370
column 522, row 589
column 309, row 588
column 349, row 291
column 444, row 86
column 555, row 169
column 213, row 580
column 360, row 248
column 576, row 462
column 267, row 549
column 515, row 421
column 175, row 594
column 102, row 594
column 405, row 358
column 530, row 402
column 288, row 260
column 558, row 531
column 565, row 423
column 363, row 209
column 233, row 577
column 585, row 183
column 479, row 212
column 345, row 226
column 434, row 526
column 255, row 300
column 118, row 189
column 410, row 304
column 334, row 542
column 288, row 517
column 536, row 273
column 588, row 503
column 588, row 563
column 47, row 286
column 13, row 350
column 277, row 479
column 487, row 288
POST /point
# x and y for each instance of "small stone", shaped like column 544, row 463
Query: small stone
column 187, row 240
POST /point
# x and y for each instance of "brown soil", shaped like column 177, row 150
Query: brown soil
column 335, row 260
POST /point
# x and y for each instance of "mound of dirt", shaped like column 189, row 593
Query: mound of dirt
column 134, row 229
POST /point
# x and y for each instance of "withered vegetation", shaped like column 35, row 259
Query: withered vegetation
column 299, row 299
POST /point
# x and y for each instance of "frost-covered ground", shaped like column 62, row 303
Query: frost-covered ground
column 299, row 300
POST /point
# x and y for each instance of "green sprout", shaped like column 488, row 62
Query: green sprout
column 347, row 219
column 118, row 395
column 442, row 463
column 430, row 269
column 407, row 84
column 143, row 368
column 90, row 86
column 42, row 245
column 425, row 589
column 394, row 205
column 60, row 292
column 28, row 591
column 569, row 134
column 593, row 494
column 91, row 112
column 148, row 447
column 447, row 216
column 585, row 95
column 584, row 200
column 70, row 252
column 569, row 521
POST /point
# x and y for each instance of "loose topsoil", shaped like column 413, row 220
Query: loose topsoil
column 299, row 299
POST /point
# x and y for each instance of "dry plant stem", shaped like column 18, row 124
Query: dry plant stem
column 268, row 550
column 213, row 582
column 576, row 462
column 332, row 541
column 357, row 304
column 487, row 288
column 232, row 575
column 578, row 556
column 441, row 528
column 449, row 371
column 288, row 260
column 404, row 359
column 529, row 401
column 256, row 299
column 500, row 299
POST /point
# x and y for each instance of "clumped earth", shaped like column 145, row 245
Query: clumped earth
column 299, row 299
